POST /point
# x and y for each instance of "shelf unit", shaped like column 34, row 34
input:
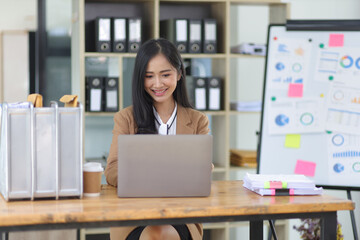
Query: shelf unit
column 85, row 60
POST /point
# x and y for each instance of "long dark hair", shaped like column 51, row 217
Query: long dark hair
column 142, row 101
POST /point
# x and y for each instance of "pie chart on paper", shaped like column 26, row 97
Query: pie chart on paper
column 281, row 120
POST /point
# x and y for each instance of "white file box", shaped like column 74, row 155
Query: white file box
column 45, row 151
column 16, row 152
column 70, row 151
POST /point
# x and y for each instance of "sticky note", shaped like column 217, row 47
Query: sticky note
column 292, row 140
column 305, row 167
column 295, row 90
column 336, row 40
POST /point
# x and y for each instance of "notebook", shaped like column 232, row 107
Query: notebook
column 164, row 166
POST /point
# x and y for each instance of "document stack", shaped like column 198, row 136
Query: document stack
column 280, row 185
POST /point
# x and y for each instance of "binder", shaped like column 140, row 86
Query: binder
column 194, row 35
column 111, row 95
column 119, row 34
column 209, row 36
column 103, row 34
column 175, row 30
column 214, row 93
column 94, row 87
column 200, row 93
column 134, row 34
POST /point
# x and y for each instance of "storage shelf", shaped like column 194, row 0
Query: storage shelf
column 244, row 224
column 215, row 113
column 219, row 169
column 239, row 55
column 238, row 168
column 203, row 55
column 233, row 112
column 214, row 225
column 109, row 54
column 262, row 2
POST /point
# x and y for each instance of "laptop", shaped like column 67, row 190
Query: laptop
column 164, row 166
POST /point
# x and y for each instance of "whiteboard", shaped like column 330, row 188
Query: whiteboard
column 311, row 106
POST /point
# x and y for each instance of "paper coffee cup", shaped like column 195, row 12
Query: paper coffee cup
column 92, row 172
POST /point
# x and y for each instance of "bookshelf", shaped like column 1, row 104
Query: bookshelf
column 86, row 61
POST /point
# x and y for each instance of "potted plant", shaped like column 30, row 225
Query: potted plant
column 310, row 229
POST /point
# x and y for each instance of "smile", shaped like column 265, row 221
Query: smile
column 159, row 92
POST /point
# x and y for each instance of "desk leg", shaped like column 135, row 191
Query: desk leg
column 256, row 230
column 329, row 226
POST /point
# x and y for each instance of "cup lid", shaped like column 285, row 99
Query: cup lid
column 92, row 167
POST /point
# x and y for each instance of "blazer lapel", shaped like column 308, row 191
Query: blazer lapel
column 183, row 122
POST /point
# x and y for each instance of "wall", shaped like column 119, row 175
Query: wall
column 18, row 15
column 253, row 29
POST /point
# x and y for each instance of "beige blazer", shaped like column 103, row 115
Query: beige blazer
column 189, row 121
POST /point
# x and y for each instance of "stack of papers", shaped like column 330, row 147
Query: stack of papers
column 280, row 185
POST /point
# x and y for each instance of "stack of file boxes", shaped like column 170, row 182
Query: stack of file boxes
column 41, row 151
column 281, row 185
column 191, row 35
column 118, row 34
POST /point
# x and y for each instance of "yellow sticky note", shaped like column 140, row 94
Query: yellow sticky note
column 292, row 140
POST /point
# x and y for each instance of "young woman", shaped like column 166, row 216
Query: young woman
column 160, row 106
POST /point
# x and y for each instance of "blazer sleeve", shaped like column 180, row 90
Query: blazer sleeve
column 121, row 126
column 203, row 125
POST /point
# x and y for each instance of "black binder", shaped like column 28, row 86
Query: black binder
column 209, row 36
column 103, row 34
column 194, row 35
column 119, row 34
column 134, row 34
column 175, row 30
column 111, row 94
column 200, row 96
column 214, row 94
column 94, row 86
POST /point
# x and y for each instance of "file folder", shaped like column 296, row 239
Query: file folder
column 94, row 94
column 175, row 30
column 214, row 93
column 134, row 34
column 103, row 34
column 119, row 34
column 111, row 94
column 194, row 35
column 209, row 36
column 200, row 93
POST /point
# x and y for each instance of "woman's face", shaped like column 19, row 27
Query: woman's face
column 160, row 79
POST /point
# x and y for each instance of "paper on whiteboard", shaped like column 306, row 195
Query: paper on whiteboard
column 343, row 109
column 289, row 63
column 343, row 154
column 338, row 66
column 296, row 116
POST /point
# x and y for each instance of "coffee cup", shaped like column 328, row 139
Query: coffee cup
column 92, row 172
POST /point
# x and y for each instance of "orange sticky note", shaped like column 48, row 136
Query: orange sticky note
column 305, row 167
column 336, row 40
column 295, row 90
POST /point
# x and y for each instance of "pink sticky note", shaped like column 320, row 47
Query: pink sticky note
column 305, row 167
column 295, row 90
column 336, row 40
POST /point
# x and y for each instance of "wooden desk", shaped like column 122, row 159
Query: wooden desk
column 229, row 201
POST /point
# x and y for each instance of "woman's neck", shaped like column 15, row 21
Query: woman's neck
column 165, row 110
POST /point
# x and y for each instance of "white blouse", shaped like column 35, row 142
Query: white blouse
column 168, row 128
